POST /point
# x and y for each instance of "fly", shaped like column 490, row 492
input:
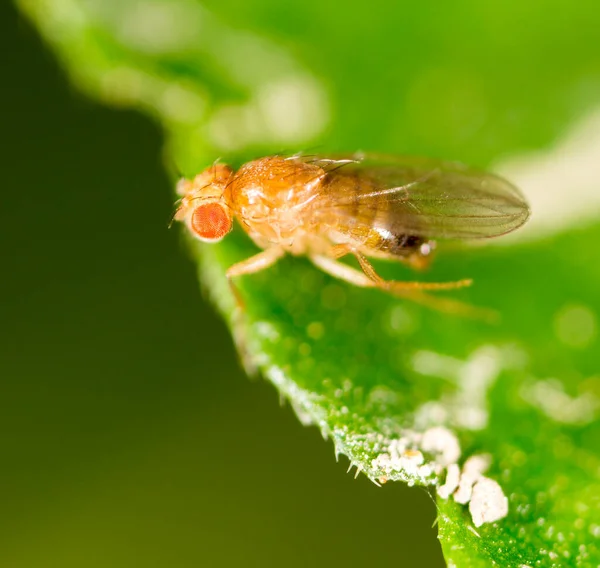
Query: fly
column 366, row 205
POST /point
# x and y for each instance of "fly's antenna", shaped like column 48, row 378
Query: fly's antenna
column 177, row 207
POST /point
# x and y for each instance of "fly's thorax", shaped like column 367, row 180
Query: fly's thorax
column 271, row 198
column 274, row 225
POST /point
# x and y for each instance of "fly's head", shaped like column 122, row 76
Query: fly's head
column 203, row 205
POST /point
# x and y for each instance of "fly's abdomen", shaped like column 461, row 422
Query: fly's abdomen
column 348, row 206
column 395, row 244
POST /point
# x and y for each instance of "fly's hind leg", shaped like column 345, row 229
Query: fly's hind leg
column 255, row 263
column 338, row 251
column 394, row 285
column 413, row 291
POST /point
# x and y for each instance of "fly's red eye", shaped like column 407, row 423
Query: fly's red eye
column 210, row 222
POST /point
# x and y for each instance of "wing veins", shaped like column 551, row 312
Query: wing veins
column 397, row 192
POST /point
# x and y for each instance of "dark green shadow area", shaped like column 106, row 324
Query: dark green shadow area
column 130, row 436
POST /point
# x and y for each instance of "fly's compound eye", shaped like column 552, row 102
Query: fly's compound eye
column 210, row 222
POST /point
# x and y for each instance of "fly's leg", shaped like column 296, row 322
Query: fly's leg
column 393, row 285
column 256, row 263
column 251, row 265
column 377, row 281
column 342, row 271
column 451, row 306
column 409, row 290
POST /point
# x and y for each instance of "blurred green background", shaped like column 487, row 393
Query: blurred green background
column 130, row 435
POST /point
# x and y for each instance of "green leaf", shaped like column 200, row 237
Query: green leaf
column 396, row 386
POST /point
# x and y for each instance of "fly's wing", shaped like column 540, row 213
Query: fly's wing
column 400, row 196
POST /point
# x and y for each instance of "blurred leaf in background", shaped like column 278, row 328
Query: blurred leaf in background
column 130, row 435
column 486, row 83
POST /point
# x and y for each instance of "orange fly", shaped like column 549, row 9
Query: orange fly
column 363, row 205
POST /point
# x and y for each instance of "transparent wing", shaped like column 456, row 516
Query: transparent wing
column 416, row 196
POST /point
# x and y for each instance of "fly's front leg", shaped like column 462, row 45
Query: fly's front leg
column 251, row 265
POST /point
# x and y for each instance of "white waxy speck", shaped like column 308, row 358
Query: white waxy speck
column 473, row 469
column 439, row 440
column 488, row 502
column 452, row 479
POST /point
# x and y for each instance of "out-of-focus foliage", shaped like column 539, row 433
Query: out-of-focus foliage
column 462, row 80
